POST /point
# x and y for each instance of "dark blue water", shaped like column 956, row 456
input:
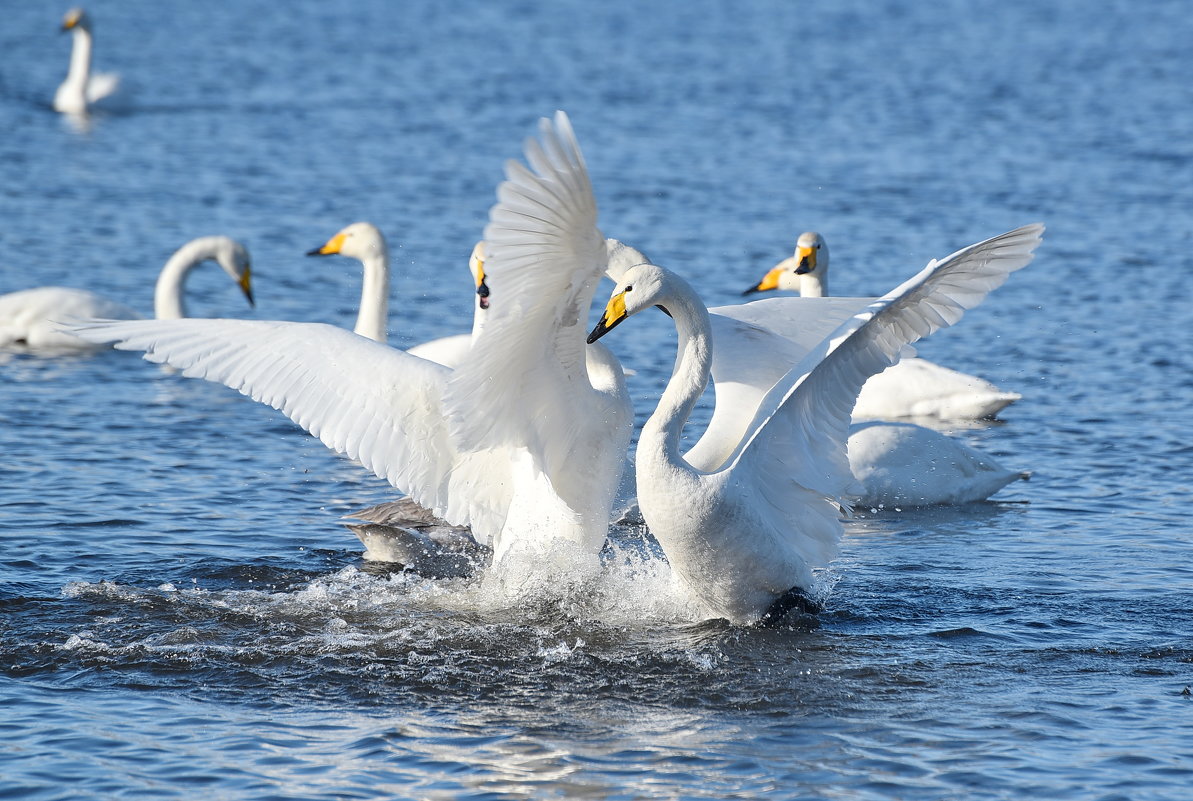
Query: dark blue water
column 181, row 613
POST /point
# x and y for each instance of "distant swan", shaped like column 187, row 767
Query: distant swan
column 910, row 388
column 81, row 88
column 743, row 533
column 365, row 242
column 28, row 318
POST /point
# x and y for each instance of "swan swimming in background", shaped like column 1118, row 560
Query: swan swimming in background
column 893, row 463
column 364, row 242
column 743, row 532
column 81, row 87
column 531, row 457
column 910, row 388
column 28, row 318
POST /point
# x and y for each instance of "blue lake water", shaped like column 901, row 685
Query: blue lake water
column 182, row 614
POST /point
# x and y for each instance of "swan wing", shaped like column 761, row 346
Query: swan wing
column 375, row 403
column 100, row 85
column 544, row 258
column 801, row 427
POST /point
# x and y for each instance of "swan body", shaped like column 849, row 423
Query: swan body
column 900, row 464
column 911, row 388
column 743, row 531
column 29, row 318
column 518, row 441
column 81, row 88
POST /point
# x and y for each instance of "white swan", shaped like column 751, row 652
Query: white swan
column 81, row 88
column 910, row 388
column 893, row 463
column 744, row 534
column 533, row 452
column 28, row 318
column 364, row 242
column 900, row 464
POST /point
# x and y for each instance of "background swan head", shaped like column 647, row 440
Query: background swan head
column 361, row 240
column 76, row 18
column 805, row 272
column 233, row 257
column 641, row 286
column 476, row 265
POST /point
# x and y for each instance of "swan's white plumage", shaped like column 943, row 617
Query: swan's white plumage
column 29, row 318
column 742, row 534
column 387, row 408
column 911, row 388
column 82, row 87
column 901, row 464
column 544, row 258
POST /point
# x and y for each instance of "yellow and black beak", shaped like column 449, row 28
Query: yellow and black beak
column 805, row 260
column 331, row 248
column 768, row 282
column 482, row 289
column 246, row 285
column 70, row 21
column 614, row 313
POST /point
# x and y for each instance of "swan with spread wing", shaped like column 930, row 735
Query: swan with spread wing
column 507, row 442
column 744, row 528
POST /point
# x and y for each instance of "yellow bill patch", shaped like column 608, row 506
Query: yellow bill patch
column 615, row 311
column 71, row 19
column 770, row 280
column 802, row 253
column 246, row 282
column 333, row 245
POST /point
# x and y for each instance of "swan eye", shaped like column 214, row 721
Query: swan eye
column 629, row 288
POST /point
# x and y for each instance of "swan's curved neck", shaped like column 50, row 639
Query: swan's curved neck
column 374, row 296
column 80, row 57
column 168, row 295
column 662, row 431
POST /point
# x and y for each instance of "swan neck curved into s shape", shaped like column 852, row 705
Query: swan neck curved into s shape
column 693, row 363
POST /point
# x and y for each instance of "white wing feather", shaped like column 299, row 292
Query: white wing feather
column 372, row 402
column 544, row 258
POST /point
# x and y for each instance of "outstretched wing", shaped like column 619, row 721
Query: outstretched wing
column 802, row 424
column 372, row 402
column 544, row 258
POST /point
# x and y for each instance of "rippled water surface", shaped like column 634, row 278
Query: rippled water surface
column 182, row 614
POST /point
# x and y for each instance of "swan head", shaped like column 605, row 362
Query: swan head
column 810, row 259
column 476, row 265
column 233, row 257
column 74, row 19
column 360, row 240
column 641, row 286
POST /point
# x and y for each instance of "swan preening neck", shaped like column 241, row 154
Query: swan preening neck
column 806, row 272
column 168, row 303
column 364, row 242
